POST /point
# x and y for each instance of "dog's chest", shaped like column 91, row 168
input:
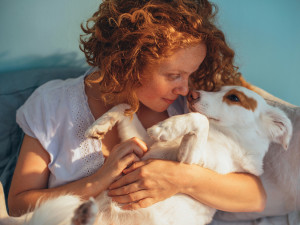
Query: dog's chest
column 222, row 153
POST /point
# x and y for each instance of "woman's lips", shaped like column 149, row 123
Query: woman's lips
column 168, row 101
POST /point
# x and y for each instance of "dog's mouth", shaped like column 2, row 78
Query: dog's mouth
column 213, row 119
column 193, row 109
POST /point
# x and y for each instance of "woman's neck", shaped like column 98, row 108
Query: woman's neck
column 148, row 117
column 95, row 102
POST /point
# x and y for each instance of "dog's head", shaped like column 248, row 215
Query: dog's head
column 237, row 107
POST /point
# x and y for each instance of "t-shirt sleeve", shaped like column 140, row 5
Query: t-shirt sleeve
column 33, row 116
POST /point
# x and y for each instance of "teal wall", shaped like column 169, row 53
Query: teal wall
column 264, row 33
column 42, row 33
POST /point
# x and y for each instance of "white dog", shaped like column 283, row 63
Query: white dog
column 226, row 131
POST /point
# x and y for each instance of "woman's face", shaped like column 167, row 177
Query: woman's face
column 162, row 83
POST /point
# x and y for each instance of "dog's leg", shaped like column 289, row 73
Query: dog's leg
column 86, row 213
column 194, row 129
column 193, row 144
column 177, row 126
column 105, row 123
column 191, row 147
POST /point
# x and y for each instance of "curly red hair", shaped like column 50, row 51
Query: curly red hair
column 125, row 35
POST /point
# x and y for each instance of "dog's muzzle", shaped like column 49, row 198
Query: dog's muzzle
column 193, row 96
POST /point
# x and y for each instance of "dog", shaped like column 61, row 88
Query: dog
column 225, row 131
column 281, row 177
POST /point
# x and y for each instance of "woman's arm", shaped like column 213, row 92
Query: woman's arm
column 31, row 175
column 154, row 180
column 234, row 192
column 30, row 180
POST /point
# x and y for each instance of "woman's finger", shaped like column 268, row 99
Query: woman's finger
column 144, row 203
column 140, row 143
column 134, row 166
column 132, row 145
column 125, row 180
column 130, row 188
column 132, row 197
column 127, row 161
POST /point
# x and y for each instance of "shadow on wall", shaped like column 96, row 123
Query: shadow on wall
column 57, row 60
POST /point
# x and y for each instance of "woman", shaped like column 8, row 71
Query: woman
column 144, row 53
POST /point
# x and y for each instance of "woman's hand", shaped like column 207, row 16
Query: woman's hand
column 121, row 157
column 145, row 183
column 151, row 181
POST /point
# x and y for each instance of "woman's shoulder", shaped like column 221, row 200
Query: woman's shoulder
column 52, row 101
column 55, row 93
column 59, row 89
column 56, row 87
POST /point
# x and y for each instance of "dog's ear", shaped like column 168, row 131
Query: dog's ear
column 278, row 126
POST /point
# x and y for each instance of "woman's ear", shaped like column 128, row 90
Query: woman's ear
column 278, row 126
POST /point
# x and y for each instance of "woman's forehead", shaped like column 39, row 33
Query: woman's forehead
column 185, row 60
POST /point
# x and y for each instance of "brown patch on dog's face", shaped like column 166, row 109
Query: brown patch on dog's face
column 235, row 97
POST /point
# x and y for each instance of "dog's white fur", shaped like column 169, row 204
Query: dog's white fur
column 234, row 140
column 281, row 177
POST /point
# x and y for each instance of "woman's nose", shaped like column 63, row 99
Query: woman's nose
column 193, row 96
column 182, row 89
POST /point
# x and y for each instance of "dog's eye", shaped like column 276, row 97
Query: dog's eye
column 233, row 98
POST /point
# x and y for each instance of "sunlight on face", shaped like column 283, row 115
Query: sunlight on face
column 165, row 81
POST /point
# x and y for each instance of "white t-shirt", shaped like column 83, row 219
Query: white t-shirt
column 57, row 114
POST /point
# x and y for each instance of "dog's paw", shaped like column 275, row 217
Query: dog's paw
column 170, row 129
column 86, row 213
column 177, row 126
column 105, row 123
column 161, row 132
column 99, row 128
column 95, row 131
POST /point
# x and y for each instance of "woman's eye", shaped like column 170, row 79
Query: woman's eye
column 173, row 76
column 233, row 98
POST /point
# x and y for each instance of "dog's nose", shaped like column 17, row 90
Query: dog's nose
column 193, row 95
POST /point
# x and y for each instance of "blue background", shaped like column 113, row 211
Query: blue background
column 264, row 33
